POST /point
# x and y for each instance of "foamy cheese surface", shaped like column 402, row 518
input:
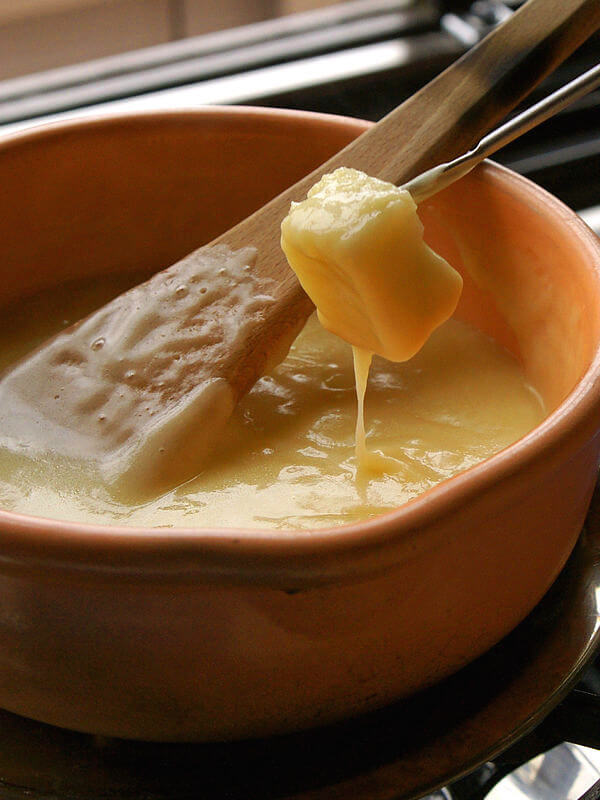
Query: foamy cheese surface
column 287, row 458
column 138, row 386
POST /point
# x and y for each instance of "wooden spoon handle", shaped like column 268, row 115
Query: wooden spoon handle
column 469, row 98
column 437, row 124
column 434, row 180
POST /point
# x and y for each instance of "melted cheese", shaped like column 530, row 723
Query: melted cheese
column 439, row 401
column 356, row 245
column 286, row 460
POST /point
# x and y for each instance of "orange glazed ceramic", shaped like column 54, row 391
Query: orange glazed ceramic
column 223, row 634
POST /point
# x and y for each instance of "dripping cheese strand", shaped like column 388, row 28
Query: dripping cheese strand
column 362, row 363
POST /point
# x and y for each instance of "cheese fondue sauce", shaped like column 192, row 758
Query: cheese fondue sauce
column 287, row 457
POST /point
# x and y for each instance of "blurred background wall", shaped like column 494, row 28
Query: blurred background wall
column 43, row 34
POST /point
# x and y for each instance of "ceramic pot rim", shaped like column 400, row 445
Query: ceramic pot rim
column 299, row 558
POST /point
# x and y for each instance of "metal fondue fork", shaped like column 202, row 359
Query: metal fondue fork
column 437, row 178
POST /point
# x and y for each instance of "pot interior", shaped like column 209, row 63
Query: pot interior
column 135, row 194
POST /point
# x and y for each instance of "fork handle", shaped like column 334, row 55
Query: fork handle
column 474, row 94
column 436, row 179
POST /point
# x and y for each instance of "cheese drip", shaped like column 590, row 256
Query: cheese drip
column 356, row 245
column 362, row 364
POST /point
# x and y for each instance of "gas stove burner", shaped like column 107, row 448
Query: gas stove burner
column 489, row 718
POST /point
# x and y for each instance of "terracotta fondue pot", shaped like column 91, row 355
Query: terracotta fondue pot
column 221, row 634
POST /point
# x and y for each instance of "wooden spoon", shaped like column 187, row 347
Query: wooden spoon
column 439, row 123
column 143, row 386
